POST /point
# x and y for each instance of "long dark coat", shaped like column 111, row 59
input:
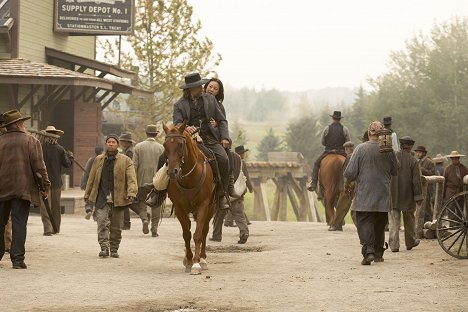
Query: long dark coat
column 408, row 183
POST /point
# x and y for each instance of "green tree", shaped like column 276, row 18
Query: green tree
column 304, row 135
column 269, row 143
column 165, row 47
column 238, row 134
column 424, row 89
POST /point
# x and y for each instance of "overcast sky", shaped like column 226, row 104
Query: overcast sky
column 296, row 45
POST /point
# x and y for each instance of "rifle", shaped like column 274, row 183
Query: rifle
column 40, row 184
column 70, row 154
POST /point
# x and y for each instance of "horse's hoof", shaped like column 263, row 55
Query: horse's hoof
column 203, row 264
column 196, row 269
column 188, row 269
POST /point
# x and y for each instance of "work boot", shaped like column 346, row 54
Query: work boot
column 368, row 259
column 114, row 254
column 104, row 253
column 243, row 239
column 127, row 226
column 145, row 227
column 20, row 265
column 88, row 215
column 416, row 243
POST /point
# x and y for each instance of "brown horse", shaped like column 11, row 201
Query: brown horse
column 191, row 190
column 331, row 170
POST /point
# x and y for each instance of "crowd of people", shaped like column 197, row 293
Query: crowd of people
column 377, row 186
column 118, row 178
column 380, row 186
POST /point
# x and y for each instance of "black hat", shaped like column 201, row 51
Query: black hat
column 113, row 136
column 387, row 121
column 406, row 140
column 240, row 149
column 336, row 115
column 193, row 80
column 421, row 148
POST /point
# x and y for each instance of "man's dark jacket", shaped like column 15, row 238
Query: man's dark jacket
column 212, row 110
column 55, row 157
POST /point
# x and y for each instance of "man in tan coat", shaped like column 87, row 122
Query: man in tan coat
column 111, row 187
column 145, row 158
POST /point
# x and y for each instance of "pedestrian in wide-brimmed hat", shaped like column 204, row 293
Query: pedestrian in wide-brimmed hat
column 453, row 175
column 55, row 157
column 146, row 157
column 20, row 159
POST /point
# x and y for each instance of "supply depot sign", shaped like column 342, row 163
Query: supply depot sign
column 96, row 17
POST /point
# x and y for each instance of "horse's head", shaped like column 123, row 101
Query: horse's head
column 175, row 148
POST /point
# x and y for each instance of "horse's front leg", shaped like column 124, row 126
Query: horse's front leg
column 184, row 221
column 206, row 228
column 199, row 237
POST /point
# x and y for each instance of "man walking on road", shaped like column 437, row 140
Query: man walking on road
column 111, row 187
column 372, row 171
column 55, row 157
column 145, row 158
column 20, row 159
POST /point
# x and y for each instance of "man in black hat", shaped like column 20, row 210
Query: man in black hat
column 427, row 168
column 333, row 138
column 198, row 108
column 20, row 159
column 387, row 122
column 406, row 193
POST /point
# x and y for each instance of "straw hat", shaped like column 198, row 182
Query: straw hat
column 439, row 159
column 454, row 154
column 53, row 130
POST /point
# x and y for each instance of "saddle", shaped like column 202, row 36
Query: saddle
column 210, row 156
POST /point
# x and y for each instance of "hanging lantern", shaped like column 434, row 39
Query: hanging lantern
column 385, row 141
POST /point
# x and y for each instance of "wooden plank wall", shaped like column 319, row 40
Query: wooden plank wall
column 87, row 130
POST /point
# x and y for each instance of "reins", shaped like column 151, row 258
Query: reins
column 191, row 192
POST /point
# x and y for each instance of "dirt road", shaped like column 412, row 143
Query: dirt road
column 285, row 266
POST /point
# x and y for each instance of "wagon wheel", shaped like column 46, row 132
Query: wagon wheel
column 452, row 226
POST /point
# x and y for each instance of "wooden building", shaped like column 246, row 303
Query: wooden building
column 54, row 77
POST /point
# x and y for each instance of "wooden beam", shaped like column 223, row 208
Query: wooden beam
column 109, row 100
column 34, row 89
column 293, row 200
column 103, row 96
column 46, row 95
column 93, row 94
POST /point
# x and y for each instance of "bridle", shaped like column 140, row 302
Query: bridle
column 184, row 153
column 189, row 192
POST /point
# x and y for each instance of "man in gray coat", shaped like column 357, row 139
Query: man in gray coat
column 145, row 159
column 372, row 171
column 405, row 195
